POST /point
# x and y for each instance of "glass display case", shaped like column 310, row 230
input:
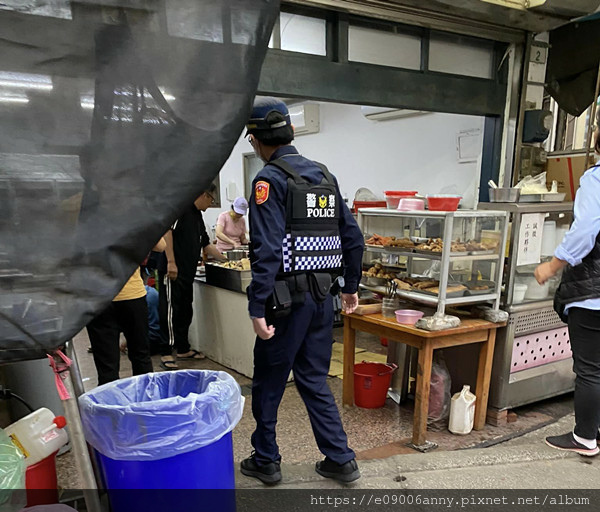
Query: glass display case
column 435, row 258
column 532, row 359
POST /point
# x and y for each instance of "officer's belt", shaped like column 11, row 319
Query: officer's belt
column 298, row 283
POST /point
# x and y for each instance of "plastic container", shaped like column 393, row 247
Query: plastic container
column 38, row 435
column 169, row 430
column 443, row 202
column 549, row 238
column 389, row 306
column 392, row 197
column 408, row 316
column 41, row 482
column 519, row 291
column 536, row 291
column 367, row 204
column 407, row 204
column 462, row 412
column 371, row 383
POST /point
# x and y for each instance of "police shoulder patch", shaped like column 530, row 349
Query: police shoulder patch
column 261, row 192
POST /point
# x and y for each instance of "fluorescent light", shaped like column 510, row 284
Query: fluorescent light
column 87, row 101
column 25, row 81
column 22, row 99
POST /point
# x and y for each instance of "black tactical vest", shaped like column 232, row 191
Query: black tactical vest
column 312, row 237
column 579, row 283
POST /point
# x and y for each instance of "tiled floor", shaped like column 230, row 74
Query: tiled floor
column 372, row 433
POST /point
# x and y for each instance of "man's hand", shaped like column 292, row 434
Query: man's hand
column 262, row 330
column 549, row 269
column 172, row 270
column 349, row 302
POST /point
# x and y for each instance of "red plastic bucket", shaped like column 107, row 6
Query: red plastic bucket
column 41, row 483
column 371, row 383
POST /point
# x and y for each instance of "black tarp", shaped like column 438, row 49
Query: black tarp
column 573, row 61
column 114, row 116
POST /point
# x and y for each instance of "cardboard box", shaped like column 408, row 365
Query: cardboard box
column 567, row 170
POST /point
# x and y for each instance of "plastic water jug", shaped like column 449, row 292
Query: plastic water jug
column 38, row 435
column 462, row 412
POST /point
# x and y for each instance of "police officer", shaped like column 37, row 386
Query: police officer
column 305, row 246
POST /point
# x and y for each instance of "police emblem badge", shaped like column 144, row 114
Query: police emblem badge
column 261, row 192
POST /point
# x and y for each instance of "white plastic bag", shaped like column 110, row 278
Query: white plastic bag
column 533, row 184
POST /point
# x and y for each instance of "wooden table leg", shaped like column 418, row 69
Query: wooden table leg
column 422, row 394
column 484, row 374
column 349, row 346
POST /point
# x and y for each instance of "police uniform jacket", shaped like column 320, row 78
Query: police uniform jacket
column 268, row 228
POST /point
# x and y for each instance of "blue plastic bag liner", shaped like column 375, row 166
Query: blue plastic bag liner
column 160, row 415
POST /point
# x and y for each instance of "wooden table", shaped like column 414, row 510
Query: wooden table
column 470, row 331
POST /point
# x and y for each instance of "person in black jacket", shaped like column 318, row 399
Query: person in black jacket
column 185, row 241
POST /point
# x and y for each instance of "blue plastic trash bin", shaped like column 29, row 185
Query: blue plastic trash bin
column 169, row 430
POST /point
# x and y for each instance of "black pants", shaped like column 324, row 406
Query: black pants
column 131, row 318
column 175, row 312
column 302, row 342
column 584, row 332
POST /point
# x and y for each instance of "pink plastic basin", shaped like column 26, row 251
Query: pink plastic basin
column 392, row 197
column 409, row 204
column 408, row 316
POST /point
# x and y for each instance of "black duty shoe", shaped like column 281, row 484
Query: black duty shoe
column 567, row 443
column 269, row 474
column 345, row 473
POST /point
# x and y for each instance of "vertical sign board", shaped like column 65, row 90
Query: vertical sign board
column 530, row 239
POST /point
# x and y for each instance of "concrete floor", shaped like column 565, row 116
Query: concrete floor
column 373, row 433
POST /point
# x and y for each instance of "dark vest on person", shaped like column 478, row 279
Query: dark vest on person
column 579, row 283
column 312, row 237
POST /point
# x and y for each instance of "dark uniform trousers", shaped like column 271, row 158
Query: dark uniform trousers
column 302, row 343
column 175, row 312
column 131, row 318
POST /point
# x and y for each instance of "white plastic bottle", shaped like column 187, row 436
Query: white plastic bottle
column 38, row 435
column 462, row 412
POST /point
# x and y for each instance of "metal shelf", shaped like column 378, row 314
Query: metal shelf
column 432, row 300
column 434, row 255
column 526, row 207
column 386, row 212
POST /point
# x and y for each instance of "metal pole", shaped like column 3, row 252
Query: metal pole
column 78, row 443
column 588, row 140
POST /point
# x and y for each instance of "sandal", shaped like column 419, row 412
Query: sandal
column 194, row 356
column 168, row 365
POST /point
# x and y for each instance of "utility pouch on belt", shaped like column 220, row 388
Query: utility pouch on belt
column 279, row 304
column 319, row 286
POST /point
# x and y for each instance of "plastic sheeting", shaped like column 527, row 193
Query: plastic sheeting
column 160, row 415
column 114, row 116
column 12, row 467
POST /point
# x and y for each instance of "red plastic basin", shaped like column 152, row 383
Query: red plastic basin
column 443, row 203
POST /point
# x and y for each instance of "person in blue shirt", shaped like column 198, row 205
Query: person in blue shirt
column 577, row 301
column 304, row 242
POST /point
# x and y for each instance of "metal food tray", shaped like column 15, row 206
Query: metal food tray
column 482, row 253
column 542, row 198
column 450, row 295
column 228, row 278
column 394, row 248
